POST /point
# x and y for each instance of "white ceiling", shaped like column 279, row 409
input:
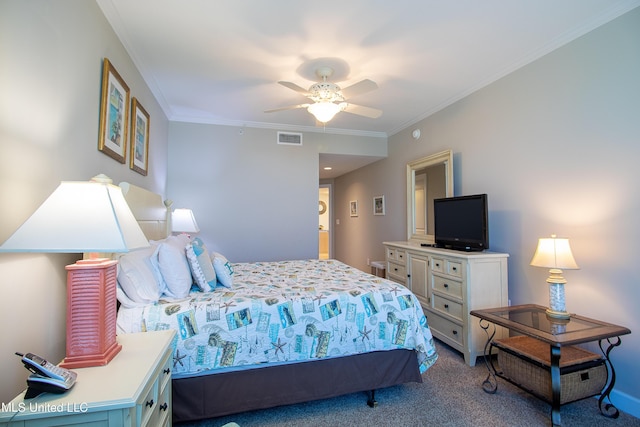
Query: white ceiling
column 219, row 61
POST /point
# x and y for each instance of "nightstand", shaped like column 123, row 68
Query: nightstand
column 134, row 389
column 532, row 321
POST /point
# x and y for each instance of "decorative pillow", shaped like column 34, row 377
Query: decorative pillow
column 201, row 266
column 137, row 277
column 224, row 270
column 173, row 265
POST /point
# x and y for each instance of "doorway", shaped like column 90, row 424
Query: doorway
column 324, row 220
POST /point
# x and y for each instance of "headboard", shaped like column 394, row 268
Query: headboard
column 153, row 215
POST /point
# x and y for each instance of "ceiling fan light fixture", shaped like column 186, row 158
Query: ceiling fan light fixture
column 324, row 111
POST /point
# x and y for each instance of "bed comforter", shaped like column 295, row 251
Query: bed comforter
column 285, row 312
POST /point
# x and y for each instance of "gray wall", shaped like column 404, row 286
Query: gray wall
column 254, row 200
column 51, row 55
column 556, row 147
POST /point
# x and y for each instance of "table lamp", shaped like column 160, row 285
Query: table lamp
column 555, row 253
column 183, row 221
column 85, row 217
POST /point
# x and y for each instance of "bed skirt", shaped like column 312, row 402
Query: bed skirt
column 228, row 393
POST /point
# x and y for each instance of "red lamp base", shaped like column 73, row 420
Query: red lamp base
column 91, row 313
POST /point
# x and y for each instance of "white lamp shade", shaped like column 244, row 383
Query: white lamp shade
column 324, row 111
column 183, row 221
column 555, row 253
column 86, row 216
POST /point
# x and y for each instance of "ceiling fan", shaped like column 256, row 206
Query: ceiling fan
column 329, row 99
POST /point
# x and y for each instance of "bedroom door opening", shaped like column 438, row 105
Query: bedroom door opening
column 324, row 221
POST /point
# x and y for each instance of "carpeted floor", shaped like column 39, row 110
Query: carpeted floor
column 451, row 395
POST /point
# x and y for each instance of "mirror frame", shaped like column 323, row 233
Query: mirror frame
column 444, row 157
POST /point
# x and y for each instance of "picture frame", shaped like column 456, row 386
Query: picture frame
column 139, row 139
column 353, row 208
column 114, row 113
column 378, row 205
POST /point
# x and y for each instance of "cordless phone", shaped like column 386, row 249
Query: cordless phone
column 46, row 377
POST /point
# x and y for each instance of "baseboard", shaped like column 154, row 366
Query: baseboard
column 626, row 403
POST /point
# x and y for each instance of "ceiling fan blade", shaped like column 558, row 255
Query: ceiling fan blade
column 295, row 87
column 359, row 88
column 290, row 107
column 361, row 110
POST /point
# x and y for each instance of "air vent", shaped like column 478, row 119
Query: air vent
column 289, row 138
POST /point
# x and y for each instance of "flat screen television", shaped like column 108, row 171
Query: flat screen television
column 461, row 223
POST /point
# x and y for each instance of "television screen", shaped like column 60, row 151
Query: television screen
column 461, row 222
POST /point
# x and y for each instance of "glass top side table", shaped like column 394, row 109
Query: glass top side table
column 531, row 320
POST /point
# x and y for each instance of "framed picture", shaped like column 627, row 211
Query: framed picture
column 139, row 153
column 353, row 208
column 378, row 205
column 114, row 113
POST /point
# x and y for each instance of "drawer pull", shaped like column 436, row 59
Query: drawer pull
column 164, row 406
column 446, row 285
column 149, row 403
column 454, row 268
column 446, row 306
column 400, row 256
column 455, row 332
column 437, row 264
column 166, row 371
column 395, row 269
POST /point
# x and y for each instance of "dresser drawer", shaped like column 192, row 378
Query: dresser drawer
column 397, row 270
column 446, row 306
column 446, row 327
column 454, row 268
column 447, row 286
column 396, row 255
column 437, row 265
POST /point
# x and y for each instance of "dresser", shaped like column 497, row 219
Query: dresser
column 134, row 389
column 449, row 284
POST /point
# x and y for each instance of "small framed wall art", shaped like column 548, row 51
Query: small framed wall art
column 353, row 208
column 114, row 113
column 139, row 153
column 378, row 205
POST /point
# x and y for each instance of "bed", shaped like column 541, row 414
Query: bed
column 263, row 334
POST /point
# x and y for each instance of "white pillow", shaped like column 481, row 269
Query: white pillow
column 173, row 265
column 137, row 277
column 223, row 268
column 201, row 266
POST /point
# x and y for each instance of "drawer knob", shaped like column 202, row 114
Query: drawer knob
column 446, row 306
column 455, row 268
column 164, row 406
column 149, row 403
column 455, row 332
column 437, row 264
column 446, row 285
column 166, row 371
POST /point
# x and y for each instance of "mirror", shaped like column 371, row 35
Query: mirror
column 428, row 178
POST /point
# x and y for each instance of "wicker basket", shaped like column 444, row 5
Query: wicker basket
column 525, row 361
